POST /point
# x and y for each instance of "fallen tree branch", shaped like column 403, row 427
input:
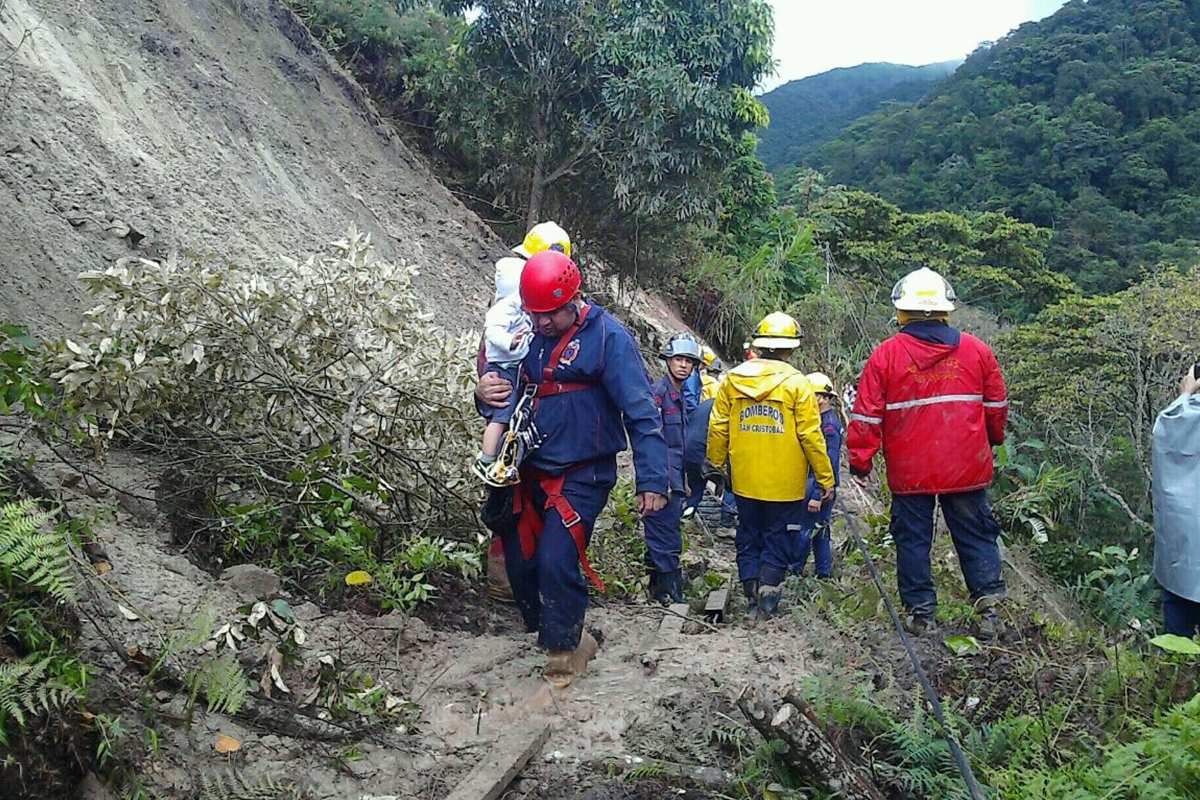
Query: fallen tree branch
column 808, row 748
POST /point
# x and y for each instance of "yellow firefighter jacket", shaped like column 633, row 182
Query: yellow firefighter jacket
column 708, row 387
column 765, row 420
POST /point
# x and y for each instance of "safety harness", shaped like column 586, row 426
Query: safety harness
column 529, row 523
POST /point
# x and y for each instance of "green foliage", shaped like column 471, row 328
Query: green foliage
column 32, row 554
column 223, row 683
column 1087, row 122
column 236, row 787
column 395, row 48
column 1118, row 588
column 559, row 104
column 320, row 545
column 993, row 260
column 1033, row 492
column 29, row 687
column 314, row 407
column 22, row 387
column 617, row 551
column 808, row 112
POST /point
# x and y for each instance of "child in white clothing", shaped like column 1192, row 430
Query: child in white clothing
column 507, row 330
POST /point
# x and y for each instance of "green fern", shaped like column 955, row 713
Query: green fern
column 28, row 688
column 223, row 682
column 39, row 558
column 235, row 787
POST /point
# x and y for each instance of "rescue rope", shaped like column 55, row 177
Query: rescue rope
column 960, row 758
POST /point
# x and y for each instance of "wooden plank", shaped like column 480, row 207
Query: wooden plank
column 506, row 759
column 718, row 601
column 673, row 620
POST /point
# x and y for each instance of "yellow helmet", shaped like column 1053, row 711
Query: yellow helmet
column 708, row 355
column 544, row 236
column 777, row 331
column 820, row 382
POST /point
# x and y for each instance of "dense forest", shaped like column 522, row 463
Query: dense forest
column 1086, row 123
column 808, row 112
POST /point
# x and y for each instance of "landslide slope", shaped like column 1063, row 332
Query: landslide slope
column 215, row 127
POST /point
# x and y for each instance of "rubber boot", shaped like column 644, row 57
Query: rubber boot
column 498, row 587
column 990, row 624
column 750, row 588
column 563, row 666
column 920, row 624
column 769, row 593
column 672, row 586
column 655, row 589
column 768, row 600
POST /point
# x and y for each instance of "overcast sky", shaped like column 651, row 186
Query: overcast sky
column 813, row 36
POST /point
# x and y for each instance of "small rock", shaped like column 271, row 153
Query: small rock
column 69, row 479
column 251, row 582
column 139, row 509
column 163, row 696
column 96, row 490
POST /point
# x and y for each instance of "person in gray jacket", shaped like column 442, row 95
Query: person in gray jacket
column 1176, row 465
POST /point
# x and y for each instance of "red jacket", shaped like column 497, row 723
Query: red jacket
column 935, row 399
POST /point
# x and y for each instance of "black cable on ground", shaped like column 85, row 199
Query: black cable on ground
column 960, row 757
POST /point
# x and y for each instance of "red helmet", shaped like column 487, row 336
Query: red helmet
column 549, row 281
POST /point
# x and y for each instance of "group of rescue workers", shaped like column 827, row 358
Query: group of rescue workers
column 564, row 388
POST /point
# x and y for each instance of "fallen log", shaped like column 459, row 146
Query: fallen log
column 807, row 747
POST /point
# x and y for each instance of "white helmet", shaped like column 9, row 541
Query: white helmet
column 923, row 290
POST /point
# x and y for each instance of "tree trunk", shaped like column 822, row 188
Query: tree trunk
column 808, row 748
column 537, row 178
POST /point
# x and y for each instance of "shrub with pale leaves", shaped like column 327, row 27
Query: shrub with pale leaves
column 284, row 383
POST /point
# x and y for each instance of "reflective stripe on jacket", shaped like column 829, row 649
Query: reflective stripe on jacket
column 766, row 421
column 935, row 400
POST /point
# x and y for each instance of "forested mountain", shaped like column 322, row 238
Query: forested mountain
column 806, row 113
column 1087, row 123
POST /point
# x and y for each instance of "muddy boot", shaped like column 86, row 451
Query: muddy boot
column 672, row 586
column 655, row 589
column 564, row 665
column 920, row 624
column 750, row 589
column 768, row 600
column 990, row 625
column 498, row 587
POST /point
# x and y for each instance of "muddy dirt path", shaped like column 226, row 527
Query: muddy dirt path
column 468, row 676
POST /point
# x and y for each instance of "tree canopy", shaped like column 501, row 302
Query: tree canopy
column 639, row 103
column 1086, row 123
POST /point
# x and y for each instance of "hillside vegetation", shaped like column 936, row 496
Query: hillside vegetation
column 808, row 112
column 1087, row 123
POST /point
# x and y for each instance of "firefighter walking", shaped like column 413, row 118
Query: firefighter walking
column 933, row 398
column 766, row 422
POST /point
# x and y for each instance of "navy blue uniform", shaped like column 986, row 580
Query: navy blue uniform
column 664, row 542
column 584, row 430
column 814, row 528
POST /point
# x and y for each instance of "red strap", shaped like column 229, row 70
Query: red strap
column 530, row 524
column 551, row 388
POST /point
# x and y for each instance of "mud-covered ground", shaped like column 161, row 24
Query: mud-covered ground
column 462, row 667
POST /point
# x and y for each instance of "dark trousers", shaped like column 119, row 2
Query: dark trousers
column 664, row 542
column 1180, row 615
column 549, row 589
column 766, row 535
column 818, row 540
column 973, row 530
